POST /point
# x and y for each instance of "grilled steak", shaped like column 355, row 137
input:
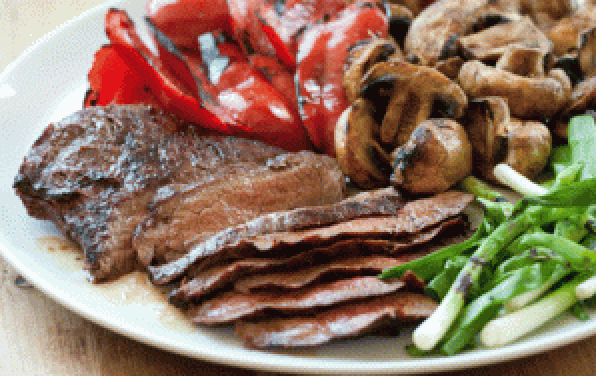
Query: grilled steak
column 203, row 282
column 231, row 305
column 269, row 235
column 295, row 279
column 345, row 321
column 104, row 175
column 379, row 202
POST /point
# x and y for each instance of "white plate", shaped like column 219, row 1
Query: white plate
column 48, row 82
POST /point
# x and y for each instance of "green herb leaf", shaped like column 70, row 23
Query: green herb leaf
column 582, row 193
column 582, row 141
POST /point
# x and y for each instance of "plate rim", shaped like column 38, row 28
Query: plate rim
column 268, row 361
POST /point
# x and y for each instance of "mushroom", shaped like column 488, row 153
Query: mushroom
column 528, row 146
column 569, row 63
column 539, row 97
column 565, row 34
column 436, row 157
column 490, row 44
column 523, row 61
column 400, row 19
column 358, row 152
column 583, row 98
column 362, row 57
column 450, row 67
column 485, row 121
column 415, row 6
column 546, row 12
column 497, row 138
column 433, row 33
column 587, row 52
column 413, row 94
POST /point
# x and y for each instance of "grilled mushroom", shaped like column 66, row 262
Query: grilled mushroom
column 364, row 56
column 358, row 152
column 565, row 34
column 490, row 44
column 528, row 146
column 587, row 52
column 413, row 94
column 527, row 97
column 436, row 157
column 434, row 32
column 400, row 19
column 546, row 12
column 485, row 121
column 523, row 61
column 583, row 98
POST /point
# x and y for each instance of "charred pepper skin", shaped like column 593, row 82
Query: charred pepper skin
column 177, row 81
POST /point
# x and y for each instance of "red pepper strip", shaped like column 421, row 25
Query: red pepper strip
column 282, row 51
column 285, row 20
column 125, row 85
column 175, row 92
column 183, row 21
column 247, row 29
column 278, row 75
column 245, row 96
column 120, row 75
column 323, row 50
column 120, row 29
column 251, row 99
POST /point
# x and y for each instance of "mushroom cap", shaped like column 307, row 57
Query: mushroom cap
column 434, row 32
column 565, row 34
column 436, row 157
column 587, row 52
column 490, row 44
column 358, row 152
column 528, row 97
column 523, row 61
column 528, row 146
column 413, row 94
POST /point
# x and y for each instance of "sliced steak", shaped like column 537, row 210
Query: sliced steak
column 104, row 174
column 287, row 181
column 381, row 202
column 203, row 282
column 349, row 320
column 210, row 280
column 231, row 306
column 245, row 241
column 295, row 279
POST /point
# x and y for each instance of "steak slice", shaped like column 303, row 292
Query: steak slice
column 295, row 279
column 203, row 282
column 380, row 202
column 349, row 320
column 106, row 174
column 246, row 241
column 231, row 306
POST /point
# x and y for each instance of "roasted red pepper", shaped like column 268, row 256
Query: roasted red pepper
column 245, row 94
column 285, row 20
column 183, row 21
column 241, row 102
column 322, row 52
column 278, row 75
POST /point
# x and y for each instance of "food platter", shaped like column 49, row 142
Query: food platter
column 48, row 82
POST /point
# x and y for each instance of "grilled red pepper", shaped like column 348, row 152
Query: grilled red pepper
column 278, row 75
column 322, row 52
column 246, row 95
column 240, row 102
